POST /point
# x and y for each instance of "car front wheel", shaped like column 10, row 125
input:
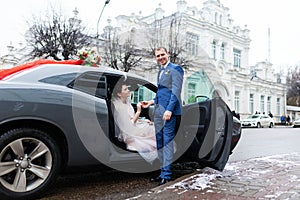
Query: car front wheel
column 29, row 163
column 258, row 125
column 271, row 125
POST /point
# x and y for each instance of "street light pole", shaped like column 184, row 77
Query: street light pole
column 106, row 2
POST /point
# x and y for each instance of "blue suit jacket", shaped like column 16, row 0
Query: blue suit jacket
column 169, row 89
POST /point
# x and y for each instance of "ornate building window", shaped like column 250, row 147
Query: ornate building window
column 278, row 106
column 222, row 52
column 214, row 50
column 251, row 103
column 262, row 103
column 192, row 44
column 237, row 101
column 236, row 58
column 216, row 18
column 269, row 104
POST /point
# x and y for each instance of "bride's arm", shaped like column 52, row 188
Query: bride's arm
column 137, row 113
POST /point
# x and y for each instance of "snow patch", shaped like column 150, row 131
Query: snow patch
column 197, row 181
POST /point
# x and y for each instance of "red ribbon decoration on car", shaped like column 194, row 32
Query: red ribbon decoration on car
column 7, row 72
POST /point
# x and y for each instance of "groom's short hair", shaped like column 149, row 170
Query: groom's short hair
column 160, row 48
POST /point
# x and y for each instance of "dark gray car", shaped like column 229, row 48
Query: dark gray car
column 54, row 116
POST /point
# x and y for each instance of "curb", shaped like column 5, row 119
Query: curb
column 160, row 188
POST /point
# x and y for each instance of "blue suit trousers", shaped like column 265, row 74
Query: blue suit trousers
column 165, row 133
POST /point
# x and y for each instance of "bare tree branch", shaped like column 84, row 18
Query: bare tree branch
column 293, row 84
column 55, row 36
column 167, row 33
column 122, row 56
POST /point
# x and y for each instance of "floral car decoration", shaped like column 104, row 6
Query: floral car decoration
column 90, row 57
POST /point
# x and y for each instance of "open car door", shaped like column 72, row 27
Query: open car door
column 205, row 132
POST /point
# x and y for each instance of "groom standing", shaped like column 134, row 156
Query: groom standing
column 167, row 113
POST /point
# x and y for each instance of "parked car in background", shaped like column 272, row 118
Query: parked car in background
column 56, row 115
column 296, row 123
column 258, row 121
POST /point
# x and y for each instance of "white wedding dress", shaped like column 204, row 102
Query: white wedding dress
column 139, row 136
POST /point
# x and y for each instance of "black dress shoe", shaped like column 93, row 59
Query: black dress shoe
column 163, row 181
column 156, row 179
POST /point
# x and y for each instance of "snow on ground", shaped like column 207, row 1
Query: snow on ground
column 207, row 175
column 198, row 181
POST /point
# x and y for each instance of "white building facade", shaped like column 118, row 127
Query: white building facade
column 214, row 44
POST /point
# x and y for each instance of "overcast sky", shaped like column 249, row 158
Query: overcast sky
column 282, row 17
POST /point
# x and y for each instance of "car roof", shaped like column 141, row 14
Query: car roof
column 36, row 70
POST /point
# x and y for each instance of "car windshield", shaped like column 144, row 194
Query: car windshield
column 253, row 117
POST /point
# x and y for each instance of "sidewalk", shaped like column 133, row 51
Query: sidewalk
column 272, row 177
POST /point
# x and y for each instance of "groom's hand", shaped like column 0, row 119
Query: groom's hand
column 167, row 115
column 146, row 104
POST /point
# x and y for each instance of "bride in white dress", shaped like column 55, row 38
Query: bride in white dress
column 139, row 135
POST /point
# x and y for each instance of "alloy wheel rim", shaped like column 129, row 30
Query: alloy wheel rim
column 24, row 164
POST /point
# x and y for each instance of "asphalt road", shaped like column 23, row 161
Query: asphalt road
column 117, row 185
column 108, row 185
column 259, row 142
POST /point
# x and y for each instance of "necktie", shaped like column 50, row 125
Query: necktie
column 161, row 71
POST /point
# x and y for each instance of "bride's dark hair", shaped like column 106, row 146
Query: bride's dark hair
column 118, row 87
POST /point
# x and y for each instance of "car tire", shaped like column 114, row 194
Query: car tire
column 271, row 125
column 258, row 125
column 30, row 161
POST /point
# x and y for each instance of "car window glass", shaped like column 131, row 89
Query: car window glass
column 91, row 83
column 198, row 88
column 141, row 93
column 63, row 79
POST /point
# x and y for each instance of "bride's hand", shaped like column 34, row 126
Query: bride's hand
column 150, row 122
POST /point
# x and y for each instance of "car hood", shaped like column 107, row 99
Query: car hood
column 249, row 120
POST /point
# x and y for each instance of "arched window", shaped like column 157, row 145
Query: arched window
column 222, row 52
column 216, row 18
column 214, row 50
column 133, row 34
column 221, row 19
